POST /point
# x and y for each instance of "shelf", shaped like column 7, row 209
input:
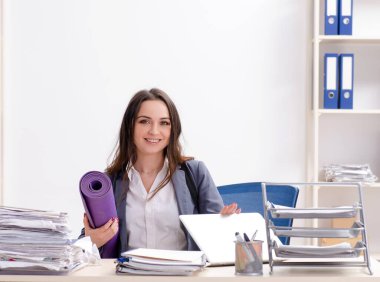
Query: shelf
column 348, row 39
column 376, row 256
column 346, row 136
column 370, row 185
column 355, row 112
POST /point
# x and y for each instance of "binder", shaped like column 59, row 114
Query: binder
column 331, row 17
column 330, row 96
column 345, row 17
column 346, row 62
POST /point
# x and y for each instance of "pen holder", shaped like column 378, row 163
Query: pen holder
column 248, row 258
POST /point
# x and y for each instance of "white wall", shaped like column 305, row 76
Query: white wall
column 238, row 70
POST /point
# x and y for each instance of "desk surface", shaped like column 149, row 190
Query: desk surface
column 106, row 272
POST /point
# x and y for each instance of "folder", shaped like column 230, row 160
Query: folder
column 330, row 96
column 346, row 62
column 331, row 17
column 345, row 17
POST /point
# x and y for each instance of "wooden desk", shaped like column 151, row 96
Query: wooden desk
column 106, row 273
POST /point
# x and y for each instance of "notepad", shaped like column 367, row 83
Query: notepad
column 215, row 234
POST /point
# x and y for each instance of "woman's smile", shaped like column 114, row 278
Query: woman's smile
column 152, row 140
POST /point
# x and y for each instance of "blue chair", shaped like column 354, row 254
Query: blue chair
column 249, row 198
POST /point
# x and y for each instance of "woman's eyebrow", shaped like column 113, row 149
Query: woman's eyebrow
column 144, row 117
column 151, row 118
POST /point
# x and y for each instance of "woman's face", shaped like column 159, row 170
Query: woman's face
column 152, row 128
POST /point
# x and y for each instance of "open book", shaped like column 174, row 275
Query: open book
column 160, row 262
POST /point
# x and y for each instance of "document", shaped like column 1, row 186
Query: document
column 160, row 262
column 37, row 242
column 170, row 256
column 310, row 232
column 278, row 211
column 341, row 250
column 349, row 173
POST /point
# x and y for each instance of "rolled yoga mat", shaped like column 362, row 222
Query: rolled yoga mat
column 99, row 203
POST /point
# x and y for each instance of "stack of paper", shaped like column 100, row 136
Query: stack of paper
column 349, row 173
column 278, row 211
column 36, row 241
column 160, row 262
column 342, row 250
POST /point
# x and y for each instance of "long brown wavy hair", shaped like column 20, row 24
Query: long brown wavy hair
column 125, row 154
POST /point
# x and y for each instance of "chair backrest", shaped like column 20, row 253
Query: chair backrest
column 249, row 198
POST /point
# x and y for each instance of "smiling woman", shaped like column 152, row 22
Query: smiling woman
column 152, row 129
column 149, row 186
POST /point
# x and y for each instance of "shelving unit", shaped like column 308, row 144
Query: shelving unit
column 344, row 39
column 339, row 135
column 311, row 255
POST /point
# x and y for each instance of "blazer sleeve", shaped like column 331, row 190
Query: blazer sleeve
column 209, row 198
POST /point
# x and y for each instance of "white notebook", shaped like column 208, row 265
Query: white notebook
column 215, row 234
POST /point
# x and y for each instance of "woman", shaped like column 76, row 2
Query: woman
column 149, row 186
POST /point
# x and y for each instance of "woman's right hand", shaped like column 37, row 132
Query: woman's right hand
column 101, row 235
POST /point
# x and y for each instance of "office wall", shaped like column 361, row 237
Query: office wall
column 239, row 72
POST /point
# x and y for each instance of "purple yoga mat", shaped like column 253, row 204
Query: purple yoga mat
column 99, row 203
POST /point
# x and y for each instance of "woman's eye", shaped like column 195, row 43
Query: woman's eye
column 165, row 123
column 144, row 121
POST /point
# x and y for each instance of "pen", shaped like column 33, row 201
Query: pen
column 252, row 249
column 245, row 246
column 254, row 235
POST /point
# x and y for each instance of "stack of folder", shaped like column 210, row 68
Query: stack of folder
column 349, row 173
column 160, row 262
column 338, row 17
column 338, row 81
column 36, row 242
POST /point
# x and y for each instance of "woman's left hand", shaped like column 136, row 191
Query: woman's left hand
column 230, row 209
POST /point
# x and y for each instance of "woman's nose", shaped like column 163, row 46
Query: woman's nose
column 153, row 129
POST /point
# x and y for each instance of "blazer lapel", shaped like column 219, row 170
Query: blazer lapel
column 185, row 204
column 121, row 196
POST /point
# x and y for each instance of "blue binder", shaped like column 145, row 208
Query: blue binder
column 331, row 17
column 345, row 17
column 330, row 96
column 346, row 85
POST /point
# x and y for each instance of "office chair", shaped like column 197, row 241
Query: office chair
column 248, row 196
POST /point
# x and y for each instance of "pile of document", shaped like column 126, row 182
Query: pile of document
column 278, row 211
column 34, row 241
column 160, row 262
column 342, row 250
column 349, row 173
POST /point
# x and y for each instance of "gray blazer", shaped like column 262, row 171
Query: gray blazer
column 209, row 199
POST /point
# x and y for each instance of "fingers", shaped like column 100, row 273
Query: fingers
column 114, row 228
column 108, row 234
column 108, row 224
column 224, row 210
column 87, row 227
column 100, row 236
column 230, row 209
